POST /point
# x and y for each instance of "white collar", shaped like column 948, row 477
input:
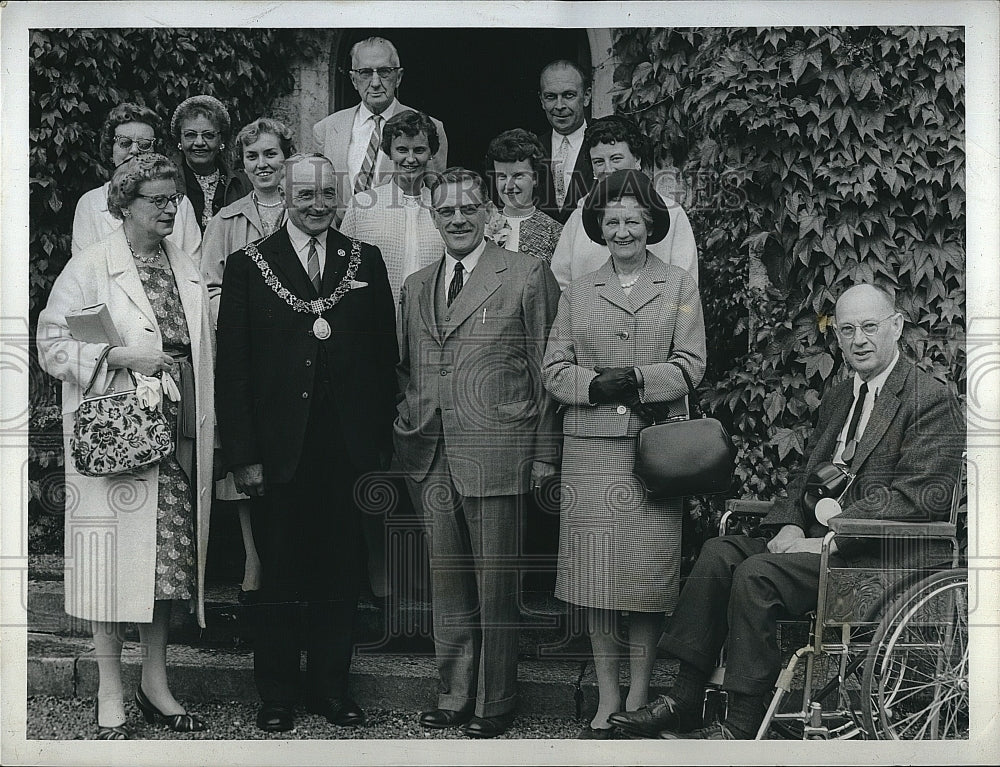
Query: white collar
column 364, row 112
column 875, row 384
column 300, row 239
column 469, row 261
column 575, row 138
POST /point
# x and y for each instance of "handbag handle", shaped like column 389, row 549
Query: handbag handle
column 97, row 369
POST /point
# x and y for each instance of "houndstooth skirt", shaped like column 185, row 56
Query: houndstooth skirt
column 617, row 550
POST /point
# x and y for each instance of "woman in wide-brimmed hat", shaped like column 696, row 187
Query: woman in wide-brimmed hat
column 626, row 341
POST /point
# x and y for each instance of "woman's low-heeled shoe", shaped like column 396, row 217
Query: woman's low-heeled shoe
column 598, row 733
column 119, row 732
column 177, row 722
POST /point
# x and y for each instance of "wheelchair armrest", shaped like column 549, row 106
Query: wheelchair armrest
column 748, row 507
column 878, row 528
column 745, row 509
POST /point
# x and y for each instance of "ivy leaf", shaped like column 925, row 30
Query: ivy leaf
column 787, row 441
column 818, row 363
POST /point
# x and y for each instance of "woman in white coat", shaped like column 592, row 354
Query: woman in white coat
column 134, row 542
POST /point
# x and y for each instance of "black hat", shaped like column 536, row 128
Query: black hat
column 626, row 183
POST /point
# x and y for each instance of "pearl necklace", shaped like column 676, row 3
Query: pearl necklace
column 635, row 276
column 155, row 258
column 256, row 201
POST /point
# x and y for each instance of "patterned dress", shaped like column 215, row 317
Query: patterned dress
column 176, row 570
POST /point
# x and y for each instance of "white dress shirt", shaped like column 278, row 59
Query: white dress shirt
column 468, row 264
column 575, row 145
column 874, row 386
column 300, row 243
column 361, row 136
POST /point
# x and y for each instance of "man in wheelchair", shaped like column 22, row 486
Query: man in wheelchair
column 896, row 435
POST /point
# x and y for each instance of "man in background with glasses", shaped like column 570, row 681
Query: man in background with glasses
column 351, row 138
column 901, row 433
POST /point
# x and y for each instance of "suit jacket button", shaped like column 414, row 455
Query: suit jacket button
column 308, row 363
column 444, row 372
column 447, row 318
column 622, row 410
column 623, row 335
column 305, row 395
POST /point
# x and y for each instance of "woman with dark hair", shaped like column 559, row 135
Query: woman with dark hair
column 136, row 542
column 514, row 160
column 616, row 143
column 264, row 145
column 129, row 130
column 395, row 216
column 626, row 340
column 200, row 125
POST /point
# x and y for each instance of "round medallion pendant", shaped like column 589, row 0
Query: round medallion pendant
column 321, row 328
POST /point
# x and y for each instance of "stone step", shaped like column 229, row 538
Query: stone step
column 547, row 628
column 65, row 666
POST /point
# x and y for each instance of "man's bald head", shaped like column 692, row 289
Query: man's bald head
column 868, row 327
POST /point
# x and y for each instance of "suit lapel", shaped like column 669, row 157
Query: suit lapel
column 883, row 411
column 607, row 286
column 121, row 267
column 648, row 287
column 428, row 300
column 827, row 442
column 483, row 282
column 280, row 254
column 338, row 256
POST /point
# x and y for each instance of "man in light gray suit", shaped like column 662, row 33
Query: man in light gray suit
column 475, row 431
column 351, row 137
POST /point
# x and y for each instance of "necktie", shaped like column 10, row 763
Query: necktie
column 851, row 443
column 456, row 283
column 364, row 179
column 312, row 264
column 558, row 164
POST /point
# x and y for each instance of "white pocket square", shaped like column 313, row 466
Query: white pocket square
column 356, row 284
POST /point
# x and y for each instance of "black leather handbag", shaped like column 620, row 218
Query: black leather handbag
column 685, row 455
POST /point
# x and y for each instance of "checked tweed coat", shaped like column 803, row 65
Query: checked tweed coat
column 618, row 551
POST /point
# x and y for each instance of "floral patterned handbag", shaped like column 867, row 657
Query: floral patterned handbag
column 114, row 434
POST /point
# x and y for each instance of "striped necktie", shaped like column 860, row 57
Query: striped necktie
column 558, row 171
column 364, row 179
column 457, row 283
column 312, row 264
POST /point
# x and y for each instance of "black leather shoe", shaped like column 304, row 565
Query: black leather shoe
column 442, row 718
column 275, row 717
column 344, row 712
column 714, row 731
column 664, row 713
column 488, row 726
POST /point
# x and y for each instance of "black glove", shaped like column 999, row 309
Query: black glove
column 614, row 385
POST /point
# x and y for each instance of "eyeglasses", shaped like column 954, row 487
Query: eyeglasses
column 467, row 210
column 208, row 135
column 384, row 73
column 125, row 143
column 161, row 200
column 868, row 328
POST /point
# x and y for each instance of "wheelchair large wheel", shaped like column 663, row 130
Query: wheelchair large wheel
column 915, row 684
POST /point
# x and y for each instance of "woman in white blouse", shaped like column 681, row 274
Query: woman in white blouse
column 395, row 217
column 129, row 129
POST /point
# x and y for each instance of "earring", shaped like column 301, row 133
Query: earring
column 179, row 145
column 126, row 213
column 223, row 146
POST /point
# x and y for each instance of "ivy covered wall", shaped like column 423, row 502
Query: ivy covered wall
column 836, row 155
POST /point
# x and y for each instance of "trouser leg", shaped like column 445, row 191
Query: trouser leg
column 697, row 630
column 453, row 586
column 493, row 525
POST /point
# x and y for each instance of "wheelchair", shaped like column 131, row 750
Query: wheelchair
column 891, row 645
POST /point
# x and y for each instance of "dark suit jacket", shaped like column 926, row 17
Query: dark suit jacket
column 470, row 375
column 580, row 184
column 233, row 184
column 268, row 357
column 907, row 461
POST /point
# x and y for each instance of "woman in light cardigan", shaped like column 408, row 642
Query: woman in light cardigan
column 395, row 217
